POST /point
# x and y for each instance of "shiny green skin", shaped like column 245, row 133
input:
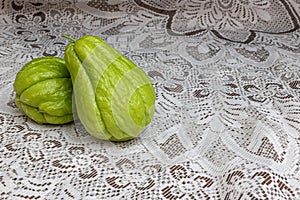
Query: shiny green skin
column 43, row 90
column 114, row 98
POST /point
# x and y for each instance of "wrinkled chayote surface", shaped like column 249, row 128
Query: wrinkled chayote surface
column 43, row 90
column 114, row 98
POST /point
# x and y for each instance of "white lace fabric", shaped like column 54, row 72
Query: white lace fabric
column 227, row 119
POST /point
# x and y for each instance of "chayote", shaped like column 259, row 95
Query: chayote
column 43, row 90
column 114, row 99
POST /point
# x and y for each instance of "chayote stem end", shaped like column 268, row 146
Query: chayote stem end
column 68, row 37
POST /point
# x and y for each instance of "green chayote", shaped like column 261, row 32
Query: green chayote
column 43, row 90
column 114, row 98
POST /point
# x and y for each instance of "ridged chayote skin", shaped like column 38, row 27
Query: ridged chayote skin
column 43, row 90
column 114, row 98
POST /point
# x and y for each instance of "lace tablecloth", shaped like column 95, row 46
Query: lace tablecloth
column 227, row 120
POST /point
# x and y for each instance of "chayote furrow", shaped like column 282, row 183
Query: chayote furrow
column 44, row 91
column 114, row 99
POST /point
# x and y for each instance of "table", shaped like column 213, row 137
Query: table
column 227, row 119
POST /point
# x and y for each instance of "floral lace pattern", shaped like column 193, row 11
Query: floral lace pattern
column 227, row 119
